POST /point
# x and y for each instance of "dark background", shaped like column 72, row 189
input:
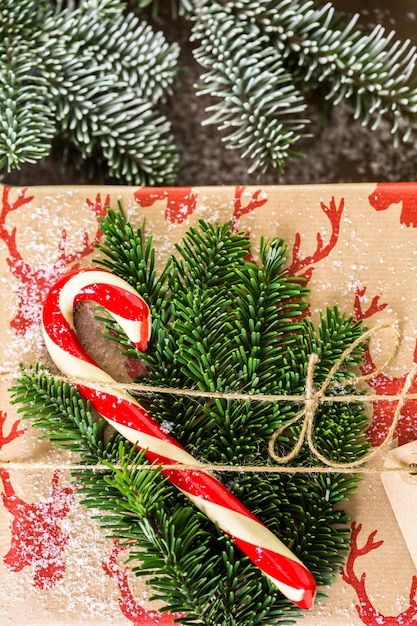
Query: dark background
column 340, row 150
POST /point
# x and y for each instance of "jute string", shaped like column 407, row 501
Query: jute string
column 311, row 399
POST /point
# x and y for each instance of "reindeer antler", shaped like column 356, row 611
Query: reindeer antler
column 239, row 209
column 14, row 433
column 374, row 307
column 334, row 214
column 128, row 605
column 9, row 237
column 369, row 615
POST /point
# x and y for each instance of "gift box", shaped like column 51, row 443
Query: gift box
column 355, row 246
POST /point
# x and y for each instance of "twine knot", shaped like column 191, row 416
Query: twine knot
column 312, row 399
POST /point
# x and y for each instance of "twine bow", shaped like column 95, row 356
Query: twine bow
column 312, row 400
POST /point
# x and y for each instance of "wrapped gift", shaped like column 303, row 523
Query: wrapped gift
column 354, row 244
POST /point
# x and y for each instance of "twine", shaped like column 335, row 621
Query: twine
column 312, row 399
column 207, row 467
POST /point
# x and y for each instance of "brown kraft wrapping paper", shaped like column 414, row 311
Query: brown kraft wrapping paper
column 356, row 244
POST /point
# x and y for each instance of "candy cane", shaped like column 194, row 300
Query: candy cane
column 128, row 417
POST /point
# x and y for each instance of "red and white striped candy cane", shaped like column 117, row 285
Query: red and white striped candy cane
column 128, row 417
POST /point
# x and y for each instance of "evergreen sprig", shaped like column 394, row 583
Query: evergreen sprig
column 65, row 418
column 221, row 322
column 258, row 104
column 371, row 71
column 263, row 57
column 25, row 131
column 93, row 75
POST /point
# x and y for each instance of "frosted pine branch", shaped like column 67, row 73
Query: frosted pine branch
column 96, row 75
column 372, row 72
column 27, row 122
column 92, row 74
column 257, row 103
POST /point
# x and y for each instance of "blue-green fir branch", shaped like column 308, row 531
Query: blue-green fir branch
column 104, row 75
column 258, row 105
column 372, row 72
column 136, row 142
column 111, row 8
column 260, row 59
column 126, row 48
column 27, row 120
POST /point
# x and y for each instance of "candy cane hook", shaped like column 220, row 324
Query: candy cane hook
column 128, row 417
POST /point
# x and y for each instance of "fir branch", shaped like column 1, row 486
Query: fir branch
column 111, row 8
column 64, row 415
column 27, row 122
column 371, row 72
column 169, row 541
column 233, row 325
column 22, row 19
column 107, row 79
column 100, row 76
column 130, row 256
column 134, row 54
column 127, row 254
column 188, row 566
column 302, row 509
column 209, row 257
column 97, row 77
column 139, row 149
column 258, row 103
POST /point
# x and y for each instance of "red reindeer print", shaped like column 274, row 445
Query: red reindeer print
column 128, row 605
column 9, row 237
column 14, row 432
column 384, row 410
column 36, row 538
column 375, row 307
column 257, row 199
column 35, row 282
column 304, row 266
column 386, row 194
column 181, row 201
column 367, row 613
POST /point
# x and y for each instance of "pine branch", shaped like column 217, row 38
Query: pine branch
column 27, row 122
column 131, row 257
column 258, row 103
column 371, row 72
column 66, row 418
column 108, row 77
column 188, row 566
column 22, row 19
column 198, row 321
column 135, row 56
column 111, row 8
column 169, row 541
column 230, row 325
column 97, row 77
column 260, row 95
column 103, row 76
column 139, row 149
